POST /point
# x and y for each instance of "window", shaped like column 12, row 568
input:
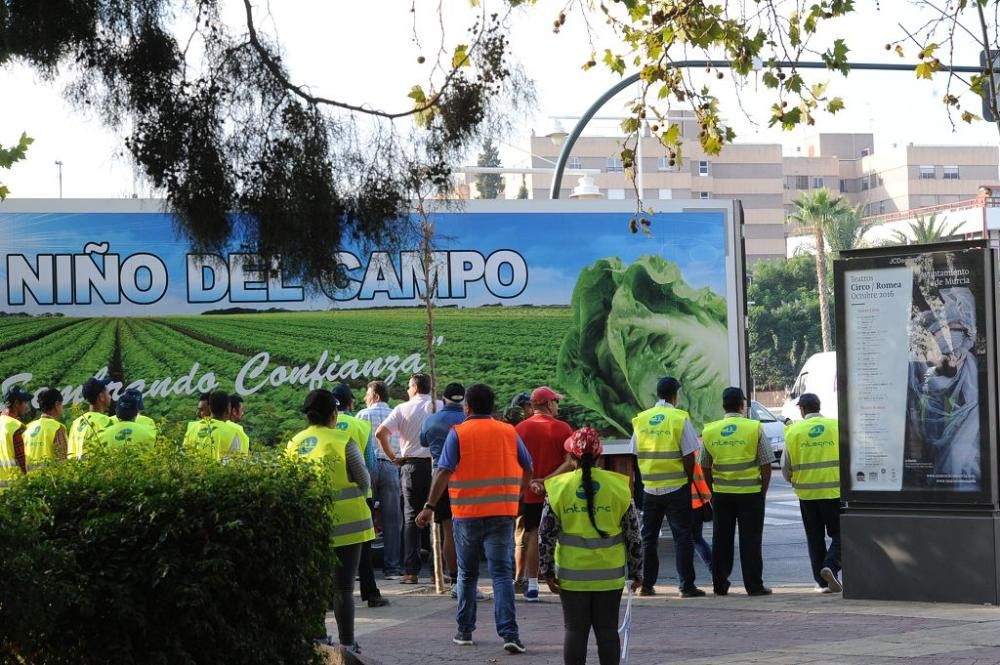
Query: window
column 864, row 183
column 615, row 165
column 663, row 164
column 874, row 181
column 704, row 195
column 818, row 182
column 865, row 152
column 801, row 182
column 843, row 186
column 574, row 163
column 950, row 173
column 927, row 173
column 616, row 194
column 882, row 207
column 666, row 194
column 703, row 168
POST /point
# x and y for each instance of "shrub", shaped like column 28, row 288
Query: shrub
column 164, row 557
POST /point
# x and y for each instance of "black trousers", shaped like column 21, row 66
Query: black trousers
column 366, row 572
column 821, row 518
column 343, row 590
column 747, row 512
column 415, row 485
column 583, row 610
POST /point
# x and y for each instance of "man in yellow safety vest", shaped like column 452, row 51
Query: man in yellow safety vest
column 812, row 465
column 126, row 430
column 86, row 429
column 45, row 439
column 736, row 459
column 17, row 404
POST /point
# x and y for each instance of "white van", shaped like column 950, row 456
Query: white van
column 817, row 376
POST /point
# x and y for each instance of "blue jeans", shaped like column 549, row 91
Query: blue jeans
column 676, row 507
column 385, row 490
column 701, row 546
column 496, row 536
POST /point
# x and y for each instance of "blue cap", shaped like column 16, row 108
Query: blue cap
column 128, row 405
column 137, row 394
column 17, row 394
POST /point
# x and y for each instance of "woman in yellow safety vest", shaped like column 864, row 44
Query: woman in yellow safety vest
column 589, row 540
column 352, row 520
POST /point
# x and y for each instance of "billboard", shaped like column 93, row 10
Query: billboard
column 526, row 294
column 916, row 339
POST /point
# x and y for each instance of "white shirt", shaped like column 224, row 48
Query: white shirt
column 406, row 421
column 689, row 445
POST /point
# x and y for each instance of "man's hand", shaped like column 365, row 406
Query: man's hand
column 424, row 517
column 636, row 584
column 553, row 584
column 537, row 486
column 397, row 460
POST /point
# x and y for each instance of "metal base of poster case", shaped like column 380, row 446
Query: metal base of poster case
column 937, row 556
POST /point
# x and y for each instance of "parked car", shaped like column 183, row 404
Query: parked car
column 774, row 429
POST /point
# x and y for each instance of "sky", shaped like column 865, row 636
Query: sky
column 363, row 52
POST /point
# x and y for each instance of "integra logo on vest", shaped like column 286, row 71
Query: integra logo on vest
column 581, row 494
column 729, row 430
column 308, row 445
column 657, row 419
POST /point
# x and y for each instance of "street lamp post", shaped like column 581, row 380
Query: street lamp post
column 588, row 115
column 59, row 166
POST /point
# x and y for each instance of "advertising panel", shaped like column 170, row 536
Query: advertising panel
column 915, row 350
column 570, row 299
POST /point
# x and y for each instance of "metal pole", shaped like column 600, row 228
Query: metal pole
column 59, row 166
column 589, row 114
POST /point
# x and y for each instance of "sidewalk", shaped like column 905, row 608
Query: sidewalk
column 795, row 625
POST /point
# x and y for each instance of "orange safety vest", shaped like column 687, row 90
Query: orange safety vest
column 487, row 480
column 700, row 491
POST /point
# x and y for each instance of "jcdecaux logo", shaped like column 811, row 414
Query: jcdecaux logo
column 657, row 419
column 816, row 431
column 729, row 430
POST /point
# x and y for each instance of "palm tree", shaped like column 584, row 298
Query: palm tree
column 846, row 231
column 925, row 230
column 818, row 211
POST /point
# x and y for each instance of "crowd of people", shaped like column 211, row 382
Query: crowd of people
column 524, row 490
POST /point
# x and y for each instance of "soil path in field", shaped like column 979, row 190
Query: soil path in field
column 221, row 344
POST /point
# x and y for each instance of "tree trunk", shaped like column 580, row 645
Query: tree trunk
column 824, row 309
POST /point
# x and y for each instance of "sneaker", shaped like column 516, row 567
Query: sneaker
column 408, row 579
column 513, row 645
column 531, row 595
column 831, row 579
column 823, row 589
column 520, row 586
column 462, row 639
column 693, row 592
column 763, row 591
column 378, row 601
column 647, row 591
column 391, row 576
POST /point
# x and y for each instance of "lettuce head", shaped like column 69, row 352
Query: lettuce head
column 634, row 324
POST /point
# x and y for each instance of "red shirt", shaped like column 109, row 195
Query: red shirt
column 544, row 437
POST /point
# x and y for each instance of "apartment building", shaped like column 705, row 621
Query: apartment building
column 768, row 182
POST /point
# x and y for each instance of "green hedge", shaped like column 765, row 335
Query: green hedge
column 163, row 557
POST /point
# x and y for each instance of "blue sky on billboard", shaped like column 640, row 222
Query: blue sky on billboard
column 486, row 258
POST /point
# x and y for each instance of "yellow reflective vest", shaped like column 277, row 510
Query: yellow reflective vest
column 9, row 471
column 586, row 561
column 145, row 421
column 39, row 436
column 219, row 438
column 813, row 449
column 126, row 432
column 84, row 432
column 732, row 442
column 352, row 520
column 360, row 432
column 244, row 439
column 658, row 446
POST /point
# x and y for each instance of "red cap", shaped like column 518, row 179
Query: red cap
column 582, row 441
column 545, row 394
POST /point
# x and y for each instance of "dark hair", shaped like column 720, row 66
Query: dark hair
column 481, row 399
column 235, row 401
column 203, row 397
column 667, row 387
column 320, row 407
column 218, row 403
column 422, row 382
column 380, row 389
column 586, row 464
column 809, row 403
column 48, row 398
column 732, row 403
